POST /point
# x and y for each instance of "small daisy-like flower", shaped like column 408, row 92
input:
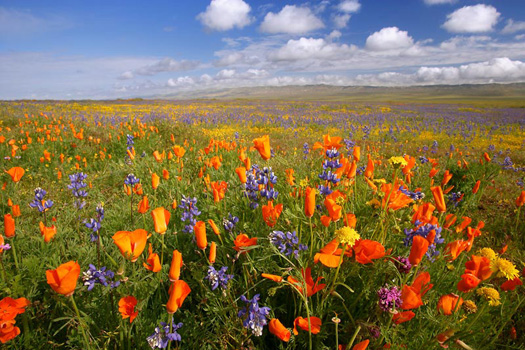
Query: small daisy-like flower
column 490, row 294
column 347, row 235
column 398, row 162
column 488, row 253
column 504, row 268
column 470, row 307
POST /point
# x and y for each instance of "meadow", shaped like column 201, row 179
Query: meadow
column 245, row 224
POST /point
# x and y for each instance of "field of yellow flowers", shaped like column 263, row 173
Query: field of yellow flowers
column 261, row 225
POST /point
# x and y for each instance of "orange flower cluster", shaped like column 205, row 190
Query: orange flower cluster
column 9, row 309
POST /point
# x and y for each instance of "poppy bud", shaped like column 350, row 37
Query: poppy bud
column 200, row 234
column 309, row 202
column 64, row 278
column 279, row 330
column 176, row 264
column 155, row 181
column 179, row 290
column 9, row 226
column 213, row 252
column 419, row 248
column 161, row 218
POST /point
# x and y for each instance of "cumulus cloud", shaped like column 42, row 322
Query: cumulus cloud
column 167, row 65
column 16, row 22
column 291, row 20
column 340, row 21
column 439, row 2
column 390, row 38
column 311, row 48
column 349, row 6
column 513, row 27
column 472, row 19
column 222, row 15
column 126, row 75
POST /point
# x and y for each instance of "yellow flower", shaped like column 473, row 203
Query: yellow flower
column 504, row 268
column 490, row 294
column 398, row 162
column 373, row 203
column 488, row 253
column 347, row 235
column 470, row 307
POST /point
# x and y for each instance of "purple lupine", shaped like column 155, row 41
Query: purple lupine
column 218, row 278
column 255, row 316
column 162, row 336
column 39, row 202
column 189, row 205
column 287, row 243
column 101, row 276
column 389, row 298
column 402, row 264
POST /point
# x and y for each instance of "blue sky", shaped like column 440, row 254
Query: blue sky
column 109, row 49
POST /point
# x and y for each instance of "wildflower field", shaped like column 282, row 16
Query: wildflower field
column 261, row 225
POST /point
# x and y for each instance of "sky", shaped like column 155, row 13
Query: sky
column 63, row 49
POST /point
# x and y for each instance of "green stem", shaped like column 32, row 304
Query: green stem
column 171, row 328
column 86, row 340
column 14, row 254
column 517, row 219
column 349, row 346
column 311, row 238
column 4, row 277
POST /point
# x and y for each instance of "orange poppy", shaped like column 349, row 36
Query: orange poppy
column 161, row 219
column 9, row 226
column 271, row 213
column 242, row 242
column 396, row 199
column 326, row 220
column 279, row 330
column 158, row 157
column 16, row 173
column 418, row 250
column 47, row 232
column 329, row 255
column 155, row 181
column 213, row 252
column 176, row 264
column 411, row 295
column 241, row 173
column 439, row 199
column 449, row 303
column 334, row 209
column 200, row 234
column 179, row 290
column 214, row 227
column 369, row 171
column 10, row 308
column 126, row 307
column 8, row 330
column 315, row 324
column 446, row 178
column 475, row 189
column 131, row 243
column 311, row 286
column 511, row 284
column 450, row 219
column 15, row 209
column 262, row 145
column 468, row 282
column 479, row 266
column 466, row 221
column 424, row 214
column 453, row 249
column 402, row 317
column 357, row 153
column 143, row 205
column 219, row 190
column 274, row 278
column 521, row 199
column 153, row 261
column 63, row 279
column 309, row 202
column 179, row 151
column 362, row 345
column 365, row 250
column 329, row 143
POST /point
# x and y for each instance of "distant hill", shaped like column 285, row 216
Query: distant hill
column 430, row 93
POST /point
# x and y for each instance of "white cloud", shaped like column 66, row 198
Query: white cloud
column 390, row 38
column 181, row 81
column 225, row 74
column 349, row 6
column 520, row 37
column 224, row 15
column 439, row 2
column 334, row 35
column 513, row 27
column 291, row 20
column 472, row 19
column 341, row 21
column 456, row 42
column 15, row 23
column 126, row 75
column 310, row 48
column 167, row 65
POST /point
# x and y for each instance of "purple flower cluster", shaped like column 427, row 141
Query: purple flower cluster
column 287, row 243
column 39, row 202
column 328, row 174
column 76, row 187
column 256, row 177
column 389, row 298
column 255, row 316
column 95, row 224
column 131, row 180
column 189, row 205
column 230, row 223
column 101, row 276
column 414, row 195
column 306, row 150
column 218, row 278
column 402, row 264
column 455, row 198
column 162, row 336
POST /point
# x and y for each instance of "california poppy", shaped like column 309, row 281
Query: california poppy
column 511, row 284
column 213, row 252
column 178, row 291
column 153, row 261
column 161, row 219
column 311, row 286
column 214, row 227
column 200, row 234
column 418, row 250
column 241, row 173
column 47, row 232
column 16, row 173
column 468, row 282
column 242, row 241
column 9, row 226
column 219, row 190
column 279, row 330
column 271, row 213
column 475, row 189
column 8, row 330
column 10, row 308
column 329, row 142
column 411, row 295
column 131, row 243
column 143, row 205
column 126, row 307
column 402, row 317
column 439, row 199
column 479, row 266
column 334, row 209
column 64, row 278
column 446, row 178
column 314, row 324
column 521, row 199
column 309, row 202
column 176, row 264
column 362, row 345
column 274, row 278
column 155, row 181
column 356, row 153
column 369, row 171
column 449, row 303
column 365, row 250
column 262, row 145
column 15, row 209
